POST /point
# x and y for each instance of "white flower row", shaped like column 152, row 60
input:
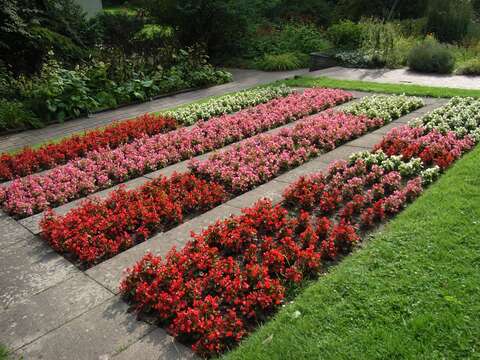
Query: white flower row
column 227, row 104
column 387, row 107
column 460, row 115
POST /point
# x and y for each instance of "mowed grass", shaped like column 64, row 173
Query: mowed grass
column 3, row 352
column 407, row 89
column 412, row 292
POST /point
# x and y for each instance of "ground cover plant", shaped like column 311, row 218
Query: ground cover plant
column 103, row 168
column 30, row 161
column 254, row 259
column 117, row 229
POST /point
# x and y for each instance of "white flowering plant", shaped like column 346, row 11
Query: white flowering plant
column 460, row 115
column 227, row 104
column 386, row 107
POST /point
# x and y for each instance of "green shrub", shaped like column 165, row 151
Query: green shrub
column 431, row 57
column 471, row 67
column 116, row 29
column 59, row 93
column 14, row 115
column 289, row 38
column 346, row 35
column 449, row 20
column 281, row 62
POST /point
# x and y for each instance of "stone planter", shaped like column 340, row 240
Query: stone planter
column 322, row 60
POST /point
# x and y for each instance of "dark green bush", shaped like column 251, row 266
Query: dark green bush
column 279, row 62
column 30, row 29
column 431, row 57
column 471, row 67
column 289, row 38
column 346, row 35
column 14, row 115
column 449, row 20
column 116, row 29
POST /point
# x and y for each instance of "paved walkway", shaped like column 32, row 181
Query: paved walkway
column 400, row 76
column 49, row 309
column 242, row 79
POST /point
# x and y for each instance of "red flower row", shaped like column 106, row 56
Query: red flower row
column 96, row 230
column 235, row 273
column 30, row 161
column 99, row 229
column 433, row 147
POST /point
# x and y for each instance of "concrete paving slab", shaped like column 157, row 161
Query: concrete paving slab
column 157, row 345
column 367, row 141
column 11, row 232
column 399, row 76
column 341, row 153
column 37, row 315
column 21, row 279
column 312, row 167
column 272, row 190
column 97, row 334
column 129, row 185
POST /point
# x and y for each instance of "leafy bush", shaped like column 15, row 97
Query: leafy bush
column 29, row 29
column 14, row 115
column 471, row 67
column 346, row 35
column 58, row 93
column 281, row 62
column 116, row 29
column 431, row 57
column 289, row 38
column 378, row 42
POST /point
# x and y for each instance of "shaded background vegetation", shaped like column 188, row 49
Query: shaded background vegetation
column 55, row 63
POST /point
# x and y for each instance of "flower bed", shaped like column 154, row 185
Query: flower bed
column 263, row 157
column 433, row 147
column 271, row 154
column 30, row 161
column 237, row 272
column 104, row 168
column 460, row 115
column 227, row 104
column 258, row 160
column 387, row 107
column 99, row 229
column 84, row 231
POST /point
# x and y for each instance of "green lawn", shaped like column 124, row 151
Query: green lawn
column 413, row 292
column 413, row 90
column 3, row 352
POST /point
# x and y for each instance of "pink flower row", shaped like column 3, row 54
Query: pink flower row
column 257, row 160
column 104, row 168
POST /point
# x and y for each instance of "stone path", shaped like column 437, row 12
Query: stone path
column 400, row 76
column 51, row 310
column 242, row 79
